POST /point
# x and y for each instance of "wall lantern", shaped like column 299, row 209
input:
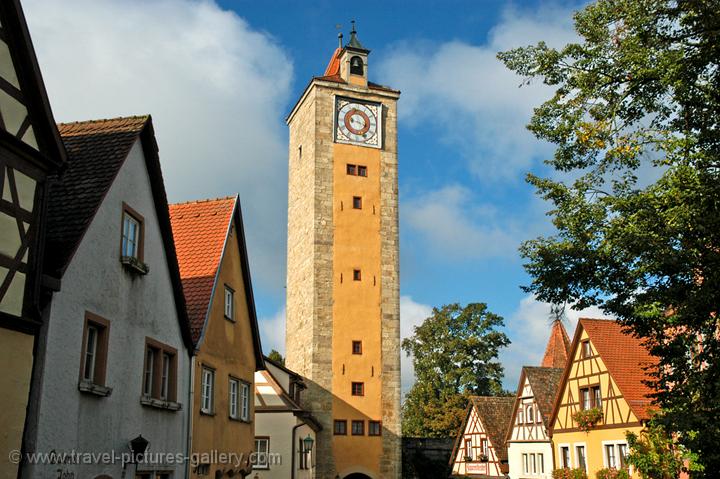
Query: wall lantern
column 138, row 446
column 308, row 443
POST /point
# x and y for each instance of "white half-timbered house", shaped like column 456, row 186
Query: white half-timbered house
column 480, row 446
column 530, row 452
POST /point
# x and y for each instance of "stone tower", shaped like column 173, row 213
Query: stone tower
column 343, row 313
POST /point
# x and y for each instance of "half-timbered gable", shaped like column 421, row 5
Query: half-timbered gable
column 480, row 446
column 30, row 151
column 528, row 441
column 605, row 375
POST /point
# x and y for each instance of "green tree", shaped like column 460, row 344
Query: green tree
column 655, row 455
column 454, row 353
column 638, row 96
column 277, row 357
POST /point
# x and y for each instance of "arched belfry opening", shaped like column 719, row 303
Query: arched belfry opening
column 356, row 66
column 357, row 475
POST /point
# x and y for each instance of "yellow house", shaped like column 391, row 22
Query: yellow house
column 605, row 373
column 211, row 250
column 30, row 150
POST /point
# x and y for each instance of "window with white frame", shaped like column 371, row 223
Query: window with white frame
column 541, row 463
column 149, row 371
column 533, row 464
column 526, row 464
column 565, row 456
column 165, row 376
column 262, row 449
column 521, row 415
column 233, row 388
column 229, row 303
column 207, row 390
column 484, row 447
column 131, row 234
column 244, row 401
column 580, row 455
column 468, row 449
column 615, row 454
column 530, row 413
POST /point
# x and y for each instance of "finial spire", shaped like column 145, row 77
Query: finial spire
column 354, row 42
column 340, row 38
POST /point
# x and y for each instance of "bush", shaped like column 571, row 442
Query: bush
column 568, row 473
column 612, row 473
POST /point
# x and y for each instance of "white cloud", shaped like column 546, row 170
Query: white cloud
column 412, row 314
column 454, row 228
column 529, row 332
column 272, row 332
column 216, row 89
column 471, row 98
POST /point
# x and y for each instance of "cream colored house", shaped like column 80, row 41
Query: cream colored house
column 530, row 454
column 480, row 449
column 284, row 431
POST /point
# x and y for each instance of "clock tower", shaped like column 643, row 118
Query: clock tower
column 343, row 313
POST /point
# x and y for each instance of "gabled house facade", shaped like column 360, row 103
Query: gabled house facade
column 530, row 453
column 604, row 378
column 285, row 433
column 480, row 449
column 115, row 344
column 215, row 272
column 30, row 151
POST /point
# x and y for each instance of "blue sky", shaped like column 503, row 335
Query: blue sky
column 219, row 79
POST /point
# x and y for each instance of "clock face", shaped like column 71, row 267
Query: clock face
column 358, row 123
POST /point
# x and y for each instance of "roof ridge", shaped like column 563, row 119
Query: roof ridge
column 205, row 200
column 104, row 120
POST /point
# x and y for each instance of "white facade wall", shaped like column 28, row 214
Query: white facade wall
column 515, row 459
column 278, row 426
column 137, row 307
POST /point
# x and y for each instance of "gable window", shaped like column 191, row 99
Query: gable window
column 357, row 347
column 484, row 447
column 159, row 371
column 233, row 387
column 581, row 461
column 530, row 416
column 262, row 449
column 590, row 397
column 374, row 428
column 565, row 456
column 132, row 234
column 358, row 389
column 468, row 449
column 586, row 351
column 358, row 428
column 521, row 416
column 207, row 389
column 340, row 427
column 229, row 303
column 357, row 202
column 94, row 350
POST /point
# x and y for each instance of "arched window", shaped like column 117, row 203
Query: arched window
column 356, row 66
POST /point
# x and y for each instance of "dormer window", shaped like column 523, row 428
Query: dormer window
column 356, row 66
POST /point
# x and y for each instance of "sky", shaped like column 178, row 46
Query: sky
column 219, row 78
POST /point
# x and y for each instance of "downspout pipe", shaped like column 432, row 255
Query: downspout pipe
column 190, row 408
column 292, row 448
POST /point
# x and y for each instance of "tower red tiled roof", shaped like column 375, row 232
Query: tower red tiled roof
column 625, row 359
column 557, row 350
column 333, row 67
column 200, row 229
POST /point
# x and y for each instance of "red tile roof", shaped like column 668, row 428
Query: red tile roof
column 200, row 229
column 557, row 350
column 625, row 358
column 333, row 67
column 495, row 412
column 96, row 150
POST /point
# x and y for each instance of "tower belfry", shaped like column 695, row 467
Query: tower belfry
column 343, row 313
